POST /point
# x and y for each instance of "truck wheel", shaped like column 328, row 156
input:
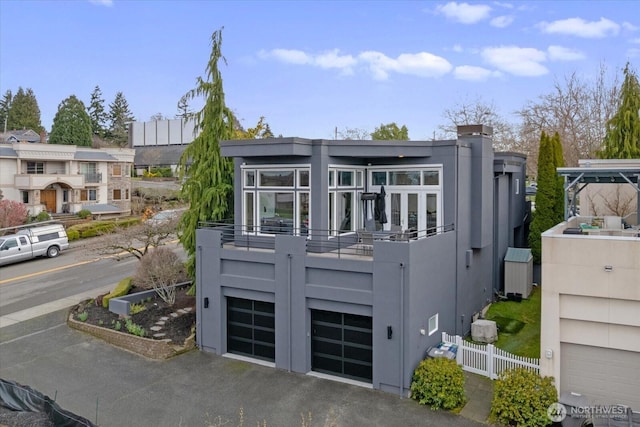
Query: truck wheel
column 53, row 252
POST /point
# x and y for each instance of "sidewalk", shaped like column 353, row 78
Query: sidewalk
column 479, row 392
column 30, row 313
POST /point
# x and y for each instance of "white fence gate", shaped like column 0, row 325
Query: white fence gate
column 486, row 359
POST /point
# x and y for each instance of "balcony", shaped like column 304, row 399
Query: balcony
column 40, row 181
column 318, row 242
column 93, row 178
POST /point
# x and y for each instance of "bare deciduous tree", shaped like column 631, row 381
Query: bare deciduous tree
column 480, row 112
column 137, row 240
column 578, row 109
column 355, row 134
column 161, row 270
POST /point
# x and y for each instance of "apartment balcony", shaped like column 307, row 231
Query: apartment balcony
column 40, row 181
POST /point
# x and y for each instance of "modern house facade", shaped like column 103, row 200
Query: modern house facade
column 348, row 258
column 590, row 328
column 67, row 178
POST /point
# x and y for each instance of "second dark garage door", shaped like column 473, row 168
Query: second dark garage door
column 251, row 328
column 341, row 344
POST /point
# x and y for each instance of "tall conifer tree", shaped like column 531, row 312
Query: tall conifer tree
column 622, row 140
column 71, row 125
column 208, row 177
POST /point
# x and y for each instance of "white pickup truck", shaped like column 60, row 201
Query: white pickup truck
column 32, row 242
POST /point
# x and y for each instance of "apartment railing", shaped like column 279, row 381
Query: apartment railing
column 92, row 178
column 318, row 241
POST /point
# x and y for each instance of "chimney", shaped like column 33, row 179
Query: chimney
column 43, row 136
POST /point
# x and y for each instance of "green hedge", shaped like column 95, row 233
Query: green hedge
column 439, row 383
column 522, row 398
column 121, row 289
column 96, row 228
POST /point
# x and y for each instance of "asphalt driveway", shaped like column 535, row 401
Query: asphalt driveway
column 113, row 387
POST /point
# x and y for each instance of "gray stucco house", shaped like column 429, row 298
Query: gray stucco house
column 348, row 258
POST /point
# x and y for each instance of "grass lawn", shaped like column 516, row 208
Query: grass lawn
column 518, row 325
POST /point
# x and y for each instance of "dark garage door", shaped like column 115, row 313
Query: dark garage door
column 341, row 344
column 251, row 328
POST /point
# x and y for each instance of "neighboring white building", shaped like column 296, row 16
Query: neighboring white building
column 160, row 143
column 67, row 178
column 590, row 328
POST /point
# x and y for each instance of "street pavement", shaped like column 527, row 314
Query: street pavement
column 113, row 387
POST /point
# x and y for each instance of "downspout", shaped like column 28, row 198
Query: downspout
column 401, row 330
column 457, row 230
column 289, row 304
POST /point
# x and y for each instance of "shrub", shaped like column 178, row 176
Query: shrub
column 121, row 289
column 42, row 216
column 438, row 382
column 522, row 397
column 134, row 328
column 83, row 316
column 84, row 213
column 73, row 235
column 159, row 270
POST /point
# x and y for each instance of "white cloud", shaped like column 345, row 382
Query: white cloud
column 420, row 64
column 580, row 28
column 519, row 61
column 107, row 3
column 559, row 53
column 457, row 48
column 471, row 73
column 464, row 13
column 289, row 56
column 501, row 21
column 629, row 26
column 637, row 41
column 633, row 52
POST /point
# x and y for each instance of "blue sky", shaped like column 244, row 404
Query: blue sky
column 312, row 66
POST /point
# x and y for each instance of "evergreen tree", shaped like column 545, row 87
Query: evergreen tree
column 5, row 104
column 71, row 125
column 208, row 177
column 544, row 216
column 622, row 138
column 120, row 116
column 391, row 131
column 97, row 114
column 558, row 163
column 183, row 108
column 24, row 112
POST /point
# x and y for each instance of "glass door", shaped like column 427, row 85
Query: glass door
column 403, row 210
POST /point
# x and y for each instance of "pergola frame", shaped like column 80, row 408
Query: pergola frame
column 578, row 178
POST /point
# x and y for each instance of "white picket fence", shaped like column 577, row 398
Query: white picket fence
column 486, row 359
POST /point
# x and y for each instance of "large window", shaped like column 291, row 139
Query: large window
column 88, row 195
column 276, row 200
column 35, row 168
column 344, row 210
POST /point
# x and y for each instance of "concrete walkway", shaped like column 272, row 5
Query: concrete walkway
column 479, row 390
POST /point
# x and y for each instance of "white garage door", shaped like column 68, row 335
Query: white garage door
column 604, row 375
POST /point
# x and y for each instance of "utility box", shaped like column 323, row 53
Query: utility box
column 518, row 272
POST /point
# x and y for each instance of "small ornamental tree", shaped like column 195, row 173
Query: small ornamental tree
column 439, row 383
column 522, row 398
column 160, row 270
column 12, row 213
column 390, row 131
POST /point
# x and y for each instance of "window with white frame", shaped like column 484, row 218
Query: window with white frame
column 88, row 195
column 35, row 168
column 275, row 199
column 345, row 184
column 433, row 324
